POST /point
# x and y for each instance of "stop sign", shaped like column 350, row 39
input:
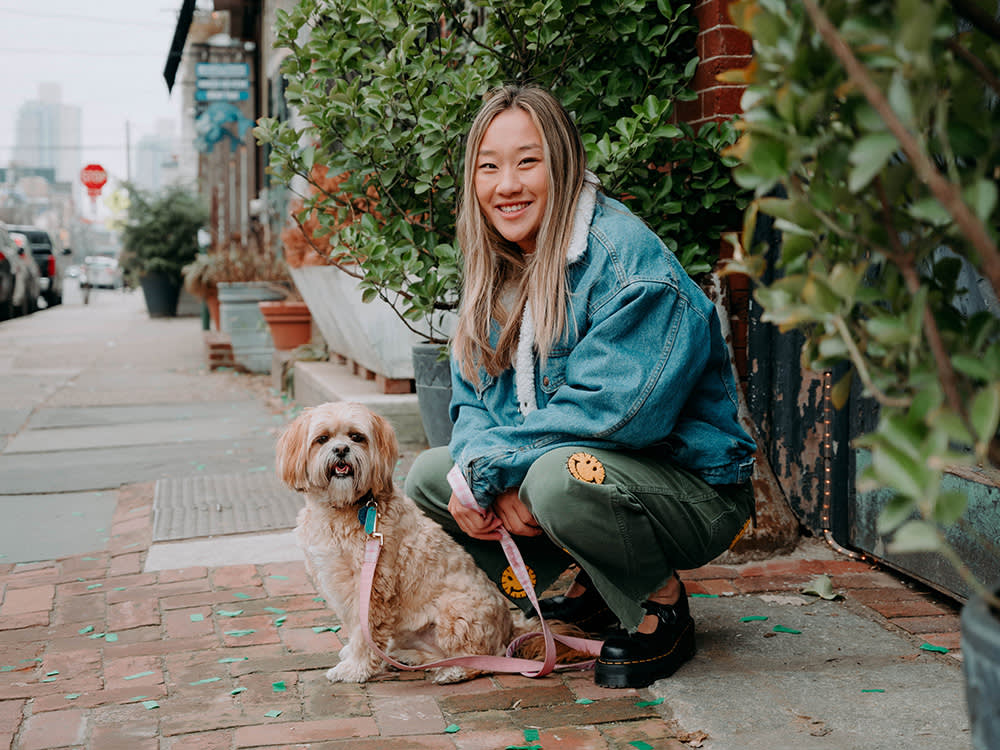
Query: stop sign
column 94, row 178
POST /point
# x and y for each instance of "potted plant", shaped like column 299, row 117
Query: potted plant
column 392, row 130
column 159, row 238
column 871, row 137
column 201, row 280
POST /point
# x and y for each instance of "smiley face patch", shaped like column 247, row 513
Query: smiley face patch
column 586, row 468
column 511, row 586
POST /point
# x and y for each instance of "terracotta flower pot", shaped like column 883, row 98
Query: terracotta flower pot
column 290, row 323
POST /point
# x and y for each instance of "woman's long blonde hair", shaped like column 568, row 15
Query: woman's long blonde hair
column 493, row 263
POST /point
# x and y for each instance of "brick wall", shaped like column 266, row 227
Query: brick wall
column 722, row 46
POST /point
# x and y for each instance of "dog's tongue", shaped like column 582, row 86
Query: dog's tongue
column 342, row 469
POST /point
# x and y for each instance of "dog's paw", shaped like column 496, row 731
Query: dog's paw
column 349, row 671
column 447, row 675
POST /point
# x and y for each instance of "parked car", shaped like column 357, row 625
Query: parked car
column 28, row 284
column 8, row 275
column 51, row 262
column 102, row 271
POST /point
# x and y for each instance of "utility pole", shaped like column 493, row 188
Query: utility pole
column 128, row 153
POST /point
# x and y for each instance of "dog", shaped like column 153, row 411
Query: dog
column 429, row 600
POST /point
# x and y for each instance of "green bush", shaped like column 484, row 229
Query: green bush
column 161, row 232
column 873, row 140
column 385, row 92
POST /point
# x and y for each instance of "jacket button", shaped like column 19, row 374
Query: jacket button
column 545, row 380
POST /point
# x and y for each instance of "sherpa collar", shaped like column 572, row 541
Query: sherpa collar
column 524, row 362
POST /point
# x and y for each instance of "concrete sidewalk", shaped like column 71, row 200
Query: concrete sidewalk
column 222, row 643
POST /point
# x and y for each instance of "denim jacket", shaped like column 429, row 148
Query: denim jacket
column 641, row 365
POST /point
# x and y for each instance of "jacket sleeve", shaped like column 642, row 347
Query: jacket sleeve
column 643, row 353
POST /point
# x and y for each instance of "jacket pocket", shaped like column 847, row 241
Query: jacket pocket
column 554, row 374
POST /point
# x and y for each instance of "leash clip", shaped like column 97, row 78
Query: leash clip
column 371, row 522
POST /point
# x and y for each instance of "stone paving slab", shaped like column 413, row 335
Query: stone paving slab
column 109, row 468
column 71, row 523
column 124, row 414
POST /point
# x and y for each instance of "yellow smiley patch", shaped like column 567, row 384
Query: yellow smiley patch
column 511, row 586
column 586, row 468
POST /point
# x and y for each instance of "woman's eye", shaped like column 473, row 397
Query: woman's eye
column 321, row 439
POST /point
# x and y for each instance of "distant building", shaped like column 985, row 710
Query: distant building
column 157, row 158
column 49, row 134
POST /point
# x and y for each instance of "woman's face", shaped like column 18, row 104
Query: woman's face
column 511, row 179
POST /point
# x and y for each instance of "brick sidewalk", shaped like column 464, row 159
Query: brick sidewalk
column 94, row 653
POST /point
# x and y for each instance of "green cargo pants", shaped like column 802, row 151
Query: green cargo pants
column 630, row 519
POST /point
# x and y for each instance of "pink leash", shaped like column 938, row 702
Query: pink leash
column 508, row 663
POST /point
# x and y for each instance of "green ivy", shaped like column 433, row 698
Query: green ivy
column 386, row 91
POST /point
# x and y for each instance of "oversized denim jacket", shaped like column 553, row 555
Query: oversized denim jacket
column 641, row 365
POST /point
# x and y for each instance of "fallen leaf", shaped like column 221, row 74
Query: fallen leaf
column 822, row 587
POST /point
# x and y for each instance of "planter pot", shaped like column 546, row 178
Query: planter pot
column 290, row 323
column 433, row 379
column 161, row 292
column 981, row 666
column 369, row 334
column 239, row 316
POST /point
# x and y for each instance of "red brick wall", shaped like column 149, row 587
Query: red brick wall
column 722, row 46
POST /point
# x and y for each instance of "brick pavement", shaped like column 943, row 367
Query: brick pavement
column 94, row 653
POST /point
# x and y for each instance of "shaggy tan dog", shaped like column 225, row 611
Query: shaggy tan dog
column 429, row 600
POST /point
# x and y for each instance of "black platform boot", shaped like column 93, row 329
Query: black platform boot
column 588, row 611
column 639, row 659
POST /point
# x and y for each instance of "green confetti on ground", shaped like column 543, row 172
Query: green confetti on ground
column 150, row 705
column 111, row 637
column 231, row 659
column 96, row 635
column 531, row 735
column 88, row 559
column 584, row 701
column 783, row 629
column 118, row 588
column 280, row 621
column 452, row 728
column 872, row 690
column 85, row 630
column 229, row 612
column 704, row 596
column 237, row 691
column 48, row 679
column 137, row 675
column 94, row 586
column 275, row 610
column 279, row 686
column 646, row 704
column 273, row 714
column 319, row 599
column 753, row 618
column 7, row 668
column 240, row 633
column 197, row 618
column 640, row 745
column 277, row 577
column 72, row 696
column 932, row 647
column 241, row 595
column 53, row 672
column 205, row 681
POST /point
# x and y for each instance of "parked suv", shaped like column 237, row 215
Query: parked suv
column 51, row 262
column 8, row 274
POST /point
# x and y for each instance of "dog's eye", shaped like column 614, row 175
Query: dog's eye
column 357, row 437
column 321, row 439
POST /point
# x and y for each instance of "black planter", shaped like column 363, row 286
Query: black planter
column 981, row 665
column 161, row 292
column 433, row 379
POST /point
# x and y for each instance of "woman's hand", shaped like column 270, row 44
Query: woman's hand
column 472, row 522
column 514, row 514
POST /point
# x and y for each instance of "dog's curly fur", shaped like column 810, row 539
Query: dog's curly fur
column 429, row 599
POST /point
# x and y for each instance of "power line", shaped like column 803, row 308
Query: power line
column 82, row 53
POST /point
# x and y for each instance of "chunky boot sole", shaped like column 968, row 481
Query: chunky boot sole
column 645, row 669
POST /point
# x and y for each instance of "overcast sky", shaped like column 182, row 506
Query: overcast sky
column 108, row 57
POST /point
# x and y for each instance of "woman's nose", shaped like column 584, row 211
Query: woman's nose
column 509, row 182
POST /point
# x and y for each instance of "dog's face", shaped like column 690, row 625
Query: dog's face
column 338, row 451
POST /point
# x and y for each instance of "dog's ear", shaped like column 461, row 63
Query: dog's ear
column 292, row 452
column 386, row 448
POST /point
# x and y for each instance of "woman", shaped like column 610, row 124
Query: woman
column 593, row 401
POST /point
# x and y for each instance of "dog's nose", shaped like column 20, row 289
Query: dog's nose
column 341, row 451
